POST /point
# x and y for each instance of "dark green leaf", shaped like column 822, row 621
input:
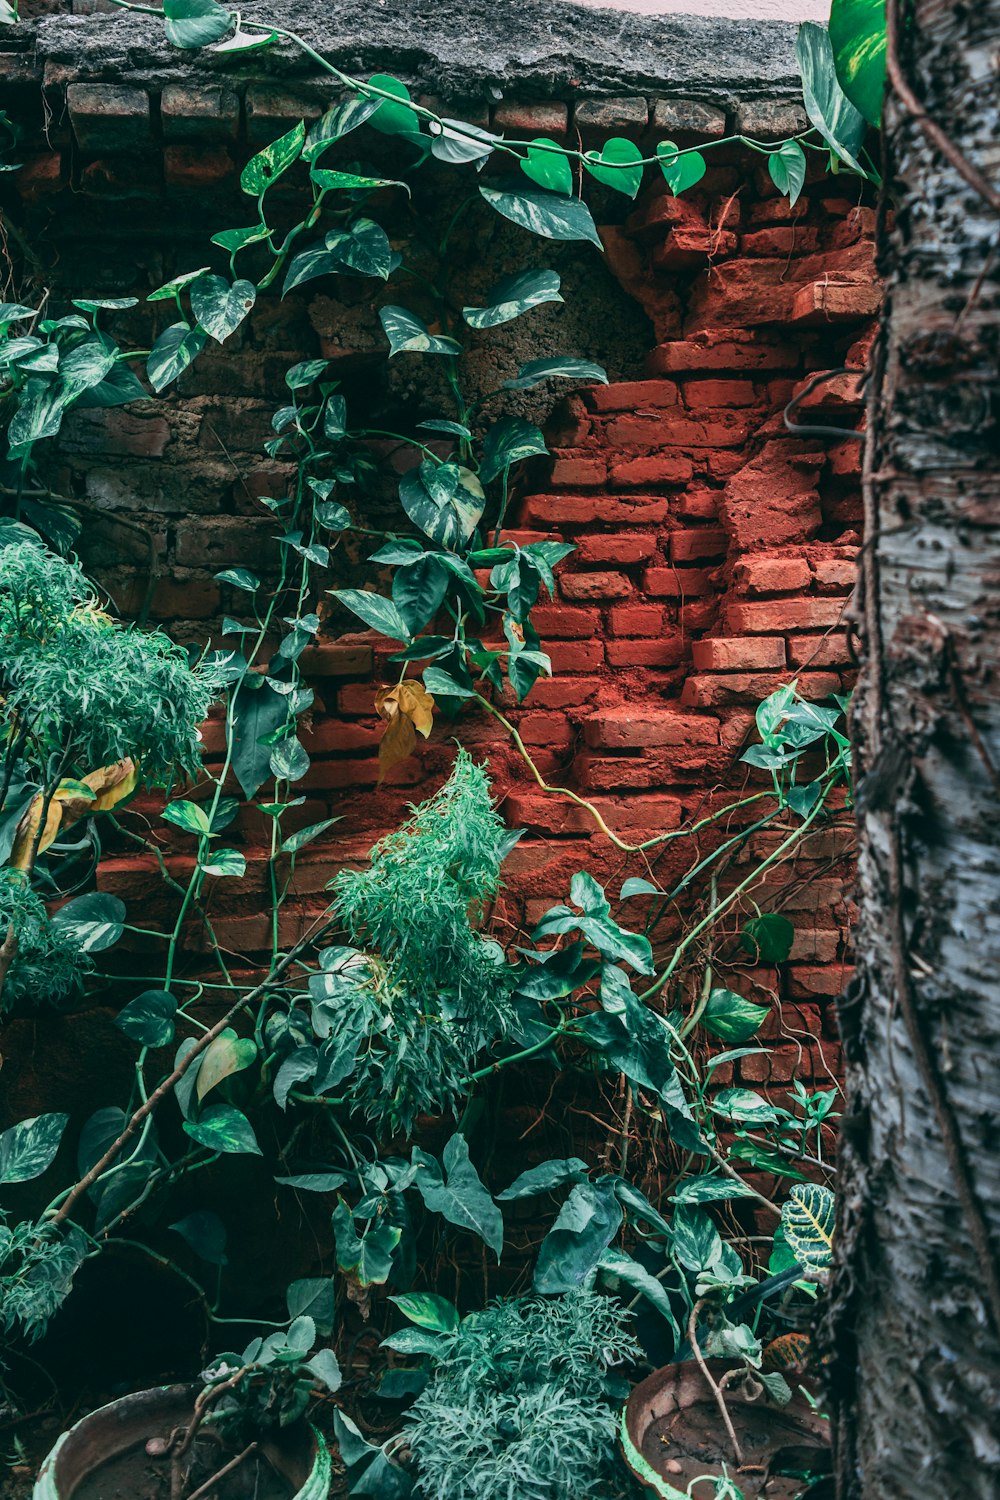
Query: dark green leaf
column 681, row 169
column 428, row 1310
column 381, row 614
column 571, row 1251
column 205, row 1233
column 29, row 1147
column 512, row 297
column 506, row 443
column 240, row 578
column 462, row 1199
column 92, row 923
column 545, row 1179
column 729, row 1016
column 548, row 214
column 392, row 118
column 172, row 352
column 195, row 23
column 769, row 938
column 268, row 165
column 258, row 711
column 219, row 307
column 547, row 164
column 563, row 368
column 616, row 1263
column 313, row 1297
column 338, row 122
column 149, row 1018
column 223, row 1128
column 787, row 167
column 408, row 334
column 841, row 125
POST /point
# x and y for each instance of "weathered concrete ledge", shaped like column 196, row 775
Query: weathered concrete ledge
column 459, row 50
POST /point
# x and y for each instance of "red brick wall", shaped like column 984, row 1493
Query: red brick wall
column 715, row 550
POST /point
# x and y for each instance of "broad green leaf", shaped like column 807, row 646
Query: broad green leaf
column 787, row 167
column 768, row 938
column 413, row 1341
column 367, row 1258
column 808, row 1219
column 446, row 501
column 14, row 312
column 618, row 163
column 766, row 1161
column 239, row 578
column 302, row 836
column 324, row 1366
column 729, row 1016
column 246, row 41
column 506, row 443
column 694, row 1239
column 418, row 590
column 176, row 285
column 858, row 38
column 563, row 368
column 428, row 1310
column 363, row 249
column 616, row 1263
column 305, row 373
column 205, row 1233
column 338, row 122
column 547, row 164
column 681, row 169
column 289, row 760
column 441, row 424
column 149, row 1018
column 392, row 118
column 408, row 334
column 744, row 1106
column 268, row 165
column 195, row 23
column 258, row 712
column 226, row 1055
column 457, row 141
column 110, row 304
column 308, row 264
column 635, row 885
column 550, row 215
column 187, row 815
column 29, row 1147
column 172, row 352
column 571, row 1251
column 545, row 1178
column 39, row 414
column 235, row 239
column 314, row 1182
column 708, row 1189
column 313, row 1297
column 93, row 923
column 381, row 614
column 224, row 862
column 461, row 1199
column 299, row 1066
column 841, row 125
column 512, row 297
column 223, row 1128
column 219, row 307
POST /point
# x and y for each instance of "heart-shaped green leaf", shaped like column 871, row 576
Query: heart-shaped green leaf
column 681, row 169
column 547, row 164
column 618, row 163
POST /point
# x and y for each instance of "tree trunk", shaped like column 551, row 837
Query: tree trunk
column 912, row 1328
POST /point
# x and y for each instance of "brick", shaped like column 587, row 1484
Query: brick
column 835, row 302
column 550, row 814
column 594, row 586
column 628, row 728
column 700, row 393
column 730, row 350
column 672, row 117
column 575, row 656
column 196, row 167
column 634, row 619
column 664, row 652
column 194, row 598
column 624, row 548
column 770, row 119
column 612, row 116
column 693, row 543
column 700, row 505
column 819, row 651
column 656, row 468
column 589, row 510
column 125, row 434
column 578, row 473
column 337, row 659
column 545, row 729
column 109, row 117
column 41, row 173
column 739, row 654
column 807, row 981
column 271, row 112
column 725, row 429
column 633, row 395
column 751, row 687
column 770, row 618
column 771, row 575
column 839, row 573
column 194, row 114
column 678, row 583
column 561, row 691
column 683, row 248
column 531, row 117
column 565, row 622
column 781, row 239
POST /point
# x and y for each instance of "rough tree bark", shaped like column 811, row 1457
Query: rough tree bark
column 913, row 1321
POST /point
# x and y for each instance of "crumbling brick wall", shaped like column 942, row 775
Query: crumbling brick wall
column 715, row 548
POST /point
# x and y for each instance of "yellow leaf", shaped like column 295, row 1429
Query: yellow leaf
column 396, row 744
column 226, row 1055
column 418, row 706
column 112, row 784
column 27, row 830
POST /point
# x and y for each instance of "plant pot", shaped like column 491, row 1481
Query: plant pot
column 672, row 1418
column 299, row 1455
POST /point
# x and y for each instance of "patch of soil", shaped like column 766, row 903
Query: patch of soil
column 133, row 1475
column 779, row 1450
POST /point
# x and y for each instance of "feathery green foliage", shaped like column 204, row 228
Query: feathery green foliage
column 86, row 689
column 37, row 1266
column 518, row 1407
column 436, row 991
column 48, row 966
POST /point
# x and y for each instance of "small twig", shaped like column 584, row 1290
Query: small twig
column 713, row 1386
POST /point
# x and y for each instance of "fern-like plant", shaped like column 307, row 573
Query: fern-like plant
column 43, row 963
column 435, row 992
column 520, row 1404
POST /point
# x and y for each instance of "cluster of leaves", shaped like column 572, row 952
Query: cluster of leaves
column 48, row 965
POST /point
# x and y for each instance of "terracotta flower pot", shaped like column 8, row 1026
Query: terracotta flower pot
column 672, row 1431
column 299, row 1455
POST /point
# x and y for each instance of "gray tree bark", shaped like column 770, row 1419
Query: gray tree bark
column 912, row 1329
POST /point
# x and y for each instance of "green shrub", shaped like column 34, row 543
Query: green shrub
column 519, row 1407
column 48, row 966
